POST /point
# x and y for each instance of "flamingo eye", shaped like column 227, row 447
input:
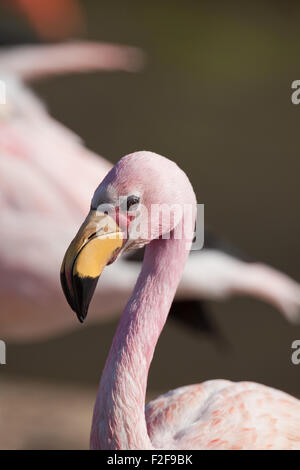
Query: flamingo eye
column 132, row 201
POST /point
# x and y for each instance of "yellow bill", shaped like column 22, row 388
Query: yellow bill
column 96, row 244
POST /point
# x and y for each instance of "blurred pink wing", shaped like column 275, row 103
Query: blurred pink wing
column 31, row 62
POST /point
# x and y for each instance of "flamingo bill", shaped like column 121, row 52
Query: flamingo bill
column 97, row 242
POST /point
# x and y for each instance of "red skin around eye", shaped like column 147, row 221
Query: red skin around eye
column 123, row 220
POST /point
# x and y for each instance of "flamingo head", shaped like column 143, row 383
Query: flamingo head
column 139, row 200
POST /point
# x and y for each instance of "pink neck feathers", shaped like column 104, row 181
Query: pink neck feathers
column 119, row 417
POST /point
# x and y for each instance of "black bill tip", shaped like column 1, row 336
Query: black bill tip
column 79, row 294
column 83, row 288
column 81, row 318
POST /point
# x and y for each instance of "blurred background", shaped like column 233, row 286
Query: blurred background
column 214, row 96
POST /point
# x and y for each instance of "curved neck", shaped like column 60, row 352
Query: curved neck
column 119, row 414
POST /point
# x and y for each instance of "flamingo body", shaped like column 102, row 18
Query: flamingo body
column 220, row 414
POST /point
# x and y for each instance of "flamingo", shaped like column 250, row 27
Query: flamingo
column 217, row 414
column 36, row 196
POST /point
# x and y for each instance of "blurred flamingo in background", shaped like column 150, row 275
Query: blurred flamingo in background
column 51, row 19
column 216, row 414
column 35, row 200
column 47, row 176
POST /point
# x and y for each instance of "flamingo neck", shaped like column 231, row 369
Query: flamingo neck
column 119, row 414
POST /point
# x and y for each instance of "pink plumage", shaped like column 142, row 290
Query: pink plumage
column 217, row 414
